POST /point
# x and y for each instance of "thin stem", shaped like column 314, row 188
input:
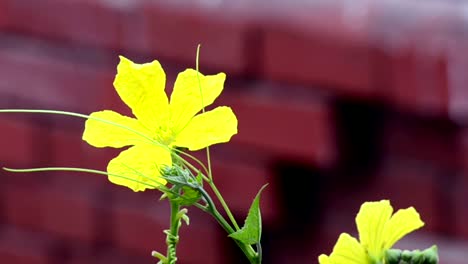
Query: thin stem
column 189, row 165
column 208, row 158
column 201, row 207
column 259, row 252
column 192, row 158
column 66, row 113
column 210, row 175
column 82, row 170
column 224, row 204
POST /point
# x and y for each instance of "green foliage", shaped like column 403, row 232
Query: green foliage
column 185, row 189
column 251, row 232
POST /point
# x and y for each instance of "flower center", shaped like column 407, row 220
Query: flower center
column 164, row 135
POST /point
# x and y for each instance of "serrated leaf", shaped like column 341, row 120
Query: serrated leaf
column 251, row 232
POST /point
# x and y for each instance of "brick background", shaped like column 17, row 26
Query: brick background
column 338, row 102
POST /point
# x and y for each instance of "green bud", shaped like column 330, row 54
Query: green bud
column 418, row 257
column 392, row 256
column 431, row 255
column 396, row 256
column 406, row 256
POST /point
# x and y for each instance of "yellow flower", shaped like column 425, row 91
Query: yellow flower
column 378, row 231
column 160, row 124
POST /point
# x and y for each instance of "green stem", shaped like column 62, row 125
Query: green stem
column 66, row 113
column 248, row 251
column 223, row 204
column 259, row 252
column 173, row 234
column 84, row 171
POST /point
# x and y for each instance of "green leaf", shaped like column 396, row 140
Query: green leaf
column 188, row 197
column 251, row 232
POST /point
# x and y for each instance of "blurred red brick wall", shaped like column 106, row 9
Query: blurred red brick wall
column 338, row 102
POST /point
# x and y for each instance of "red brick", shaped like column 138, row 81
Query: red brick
column 50, row 82
column 419, row 82
column 90, row 256
column 457, row 62
column 460, row 192
column 138, row 227
column 415, row 38
column 69, row 150
column 462, row 152
column 460, row 196
column 22, row 205
column 413, row 138
column 319, row 45
column 4, row 14
column 78, row 21
column 175, row 30
column 284, row 125
column 415, row 184
column 139, row 224
column 233, row 178
column 16, row 140
column 65, row 211
column 19, row 247
column 69, row 214
column 67, row 147
column 133, row 26
column 405, row 183
column 203, row 241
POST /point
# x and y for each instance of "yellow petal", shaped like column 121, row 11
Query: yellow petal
column 215, row 126
column 186, row 99
column 124, row 131
column 347, row 251
column 141, row 87
column 371, row 221
column 142, row 163
column 402, row 223
column 324, row 259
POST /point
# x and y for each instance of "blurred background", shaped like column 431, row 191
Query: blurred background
column 339, row 102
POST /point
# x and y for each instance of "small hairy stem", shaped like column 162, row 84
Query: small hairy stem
column 173, row 234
